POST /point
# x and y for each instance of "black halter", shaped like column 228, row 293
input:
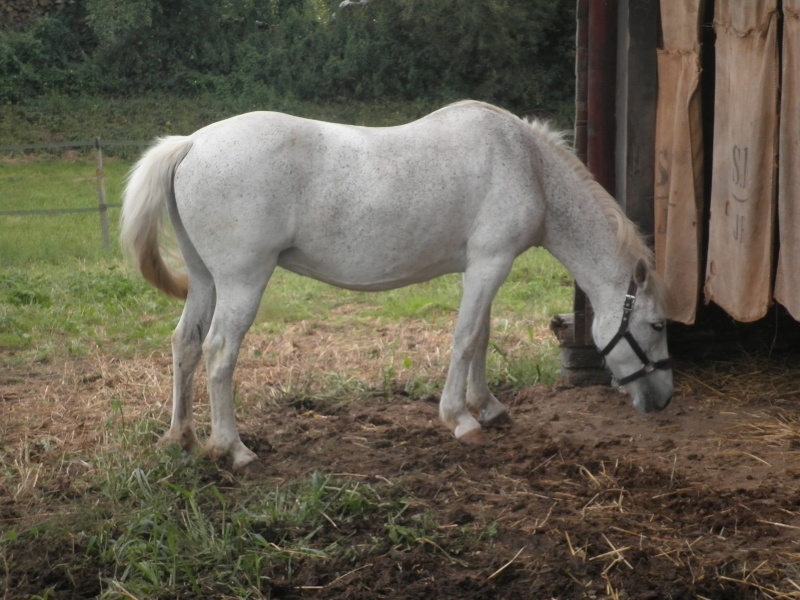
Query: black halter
column 648, row 366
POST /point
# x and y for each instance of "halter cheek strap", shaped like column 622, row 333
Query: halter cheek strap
column 648, row 366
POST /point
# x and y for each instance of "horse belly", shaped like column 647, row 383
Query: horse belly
column 348, row 264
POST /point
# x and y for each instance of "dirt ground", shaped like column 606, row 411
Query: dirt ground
column 581, row 498
column 589, row 499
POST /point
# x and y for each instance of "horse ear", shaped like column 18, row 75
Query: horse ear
column 641, row 273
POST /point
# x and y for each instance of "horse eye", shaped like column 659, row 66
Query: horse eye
column 658, row 326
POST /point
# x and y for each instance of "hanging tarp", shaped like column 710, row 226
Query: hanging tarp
column 744, row 177
column 787, row 281
column 679, row 157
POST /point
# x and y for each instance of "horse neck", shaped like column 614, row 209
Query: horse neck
column 579, row 235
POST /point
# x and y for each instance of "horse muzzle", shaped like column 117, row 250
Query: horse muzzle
column 652, row 393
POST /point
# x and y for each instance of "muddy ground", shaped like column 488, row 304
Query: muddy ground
column 580, row 498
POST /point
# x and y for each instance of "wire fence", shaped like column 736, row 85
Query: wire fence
column 71, row 146
column 102, row 206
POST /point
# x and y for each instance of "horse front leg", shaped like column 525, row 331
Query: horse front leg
column 480, row 400
column 482, row 279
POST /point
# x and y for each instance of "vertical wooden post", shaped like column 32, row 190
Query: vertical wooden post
column 637, row 97
column 100, row 178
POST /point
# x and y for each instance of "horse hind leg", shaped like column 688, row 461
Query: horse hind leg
column 489, row 411
column 187, row 341
column 235, row 311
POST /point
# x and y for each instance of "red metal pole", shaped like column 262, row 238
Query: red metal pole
column 601, row 92
column 595, row 108
column 581, row 73
column 581, row 334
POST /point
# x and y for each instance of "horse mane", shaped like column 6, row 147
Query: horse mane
column 630, row 243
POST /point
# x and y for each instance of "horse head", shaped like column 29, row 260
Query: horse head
column 635, row 345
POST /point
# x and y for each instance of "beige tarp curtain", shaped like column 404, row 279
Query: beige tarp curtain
column 787, row 282
column 679, row 157
column 741, row 231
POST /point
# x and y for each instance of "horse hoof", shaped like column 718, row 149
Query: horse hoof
column 502, row 419
column 476, row 437
column 187, row 441
column 242, row 458
column 249, row 470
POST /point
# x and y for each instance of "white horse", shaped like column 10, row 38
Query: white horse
column 466, row 189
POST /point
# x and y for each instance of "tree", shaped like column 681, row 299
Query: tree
column 113, row 21
column 517, row 53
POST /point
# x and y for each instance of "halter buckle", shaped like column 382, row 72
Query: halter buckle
column 627, row 306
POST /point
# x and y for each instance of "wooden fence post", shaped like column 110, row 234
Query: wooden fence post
column 101, row 195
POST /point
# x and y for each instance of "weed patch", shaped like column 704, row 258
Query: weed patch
column 177, row 530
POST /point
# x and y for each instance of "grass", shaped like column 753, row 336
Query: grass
column 157, row 529
column 51, row 185
column 57, row 118
column 52, row 312
column 212, row 541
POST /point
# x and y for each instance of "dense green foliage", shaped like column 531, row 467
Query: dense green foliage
column 517, row 53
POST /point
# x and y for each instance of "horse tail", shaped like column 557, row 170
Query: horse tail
column 149, row 189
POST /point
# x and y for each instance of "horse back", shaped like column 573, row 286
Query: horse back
column 350, row 205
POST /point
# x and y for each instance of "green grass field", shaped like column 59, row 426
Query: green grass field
column 54, row 185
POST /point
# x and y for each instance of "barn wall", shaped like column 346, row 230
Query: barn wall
column 722, row 206
column 637, row 89
column 665, row 170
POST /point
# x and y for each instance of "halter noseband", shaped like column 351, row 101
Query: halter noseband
column 648, row 366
